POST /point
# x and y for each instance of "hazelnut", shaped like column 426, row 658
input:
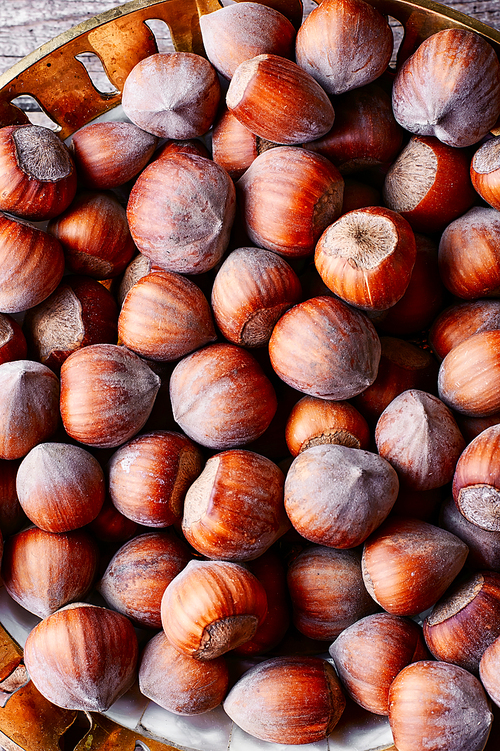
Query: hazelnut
column 344, row 44
column 337, row 496
column 211, row 607
column 292, row 700
column 221, row 397
column 325, row 349
column 38, row 177
column 296, row 111
column 252, row 289
column 172, row 95
column 60, row 486
column 149, row 476
column 82, row 657
column 234, row 510
column 449, row 88
column 107, row 394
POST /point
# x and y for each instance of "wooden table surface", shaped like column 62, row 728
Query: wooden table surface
column 27, row 24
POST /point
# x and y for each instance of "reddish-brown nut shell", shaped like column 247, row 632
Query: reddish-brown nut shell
column 337, row 496
column 82, row 657
column 326, row 349
column 180, row 212
column 235, row 147
column 29, row 413
column 419, row 436
column 344, row 44
column 291, row 700
column 60, row 486
column 139, row 572
column 408, row 564
column 109, row 154
column 270, row 570
column 476, row 482
column 305, row 191
column 81, row 311
column 428, row 702
column 429, row 184
column 449, row 88
column 107, row 394
column 461, row 320
column 469, row 376
column 38, row 177
column 172, row 94
column 236, row 33
column 179, row 683
column 221, row 397
column 212, row 607
column 369, row 654
column 95, row 235
column 44, row 571
column 465, row 621
column 165, row 316
column 471, row 275
column 234, row 510
column 403, row 366
column 327, row 591
column 364, row 134
column 489, row 671
column 484, row 172
column 13, row 344
column 294, row 112
column 314, row 421
column 251, row 291
column 148, row 477
column 366, row 257
column 31, row 265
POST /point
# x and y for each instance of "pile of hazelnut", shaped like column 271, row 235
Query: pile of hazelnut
column 218, row 412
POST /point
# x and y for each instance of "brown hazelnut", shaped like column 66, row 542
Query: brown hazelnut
column 221, row 397
column 164, row 316
column 38, row 177
column 294, row 112
column 212, row 607
column 305, row 191
column 292, row 700
column 428, row 701
column 234, row 510
column 179, row 683
column 172, row 95
column 180, row 212
column 366, row 257
column 149, row 476
column 43, row 571
column 252, row 289
column 139, row 572
column 60, row 486
column 327, row 591
column 82, row 657
column 107, row 394
column 236, row 33
column 325, row 349
column 109, row 154
column 337, row 496
column 344, row 44
column 449, row 88
column 314, row 421
column 419, row 436
column 408, row 564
